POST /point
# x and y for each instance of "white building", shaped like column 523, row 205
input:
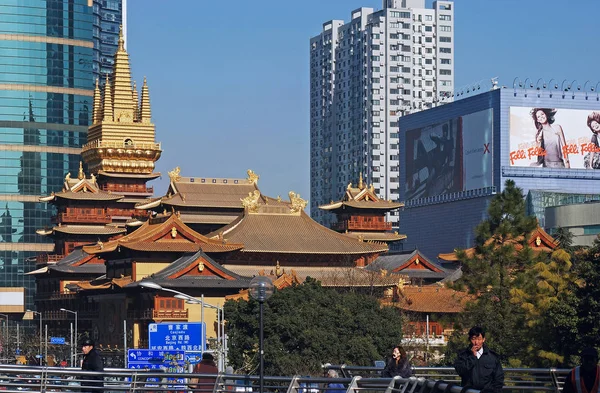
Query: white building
column 364, row 75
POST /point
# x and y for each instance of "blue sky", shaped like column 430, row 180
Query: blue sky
column 229, row 80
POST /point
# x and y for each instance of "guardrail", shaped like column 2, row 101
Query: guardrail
column 515, row 379
column 16, row 379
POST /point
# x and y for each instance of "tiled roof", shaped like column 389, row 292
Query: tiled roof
column 275, row 230
column 376, row 236
column 539, row 241
column 412, row 264
column 362, row 198
column 131, row 175
column 208, row 192
column 432, row 299
column 88, row 196
column 223, row 219
column 88, row 229
column 79, row 262
column 329, row 276
column 164, row 233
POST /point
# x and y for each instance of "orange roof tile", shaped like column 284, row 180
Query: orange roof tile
column 432, row 299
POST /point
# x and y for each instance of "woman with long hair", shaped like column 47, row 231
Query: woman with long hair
column 549, row 137
column 592, row 159
column 398, row 364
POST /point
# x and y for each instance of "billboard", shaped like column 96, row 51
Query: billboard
column 451, row 156
column 554, row 138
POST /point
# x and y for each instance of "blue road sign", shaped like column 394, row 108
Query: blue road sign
column 193, row 357
column 170, row 361
column 177, row 336
column 57, row 340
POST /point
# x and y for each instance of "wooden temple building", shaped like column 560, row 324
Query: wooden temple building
column 361, row 214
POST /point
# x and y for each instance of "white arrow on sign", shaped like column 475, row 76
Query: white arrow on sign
column 133, row 355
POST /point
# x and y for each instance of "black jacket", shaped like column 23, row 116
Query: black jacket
column 484, row 374
column 92, row 362
column 402, row 368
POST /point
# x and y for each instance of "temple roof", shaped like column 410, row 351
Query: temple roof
column 82, row 230
column 362, row 197
column 539, row 241
column 205, row 192
column 283, row 227
column 432, row 299
column 81, row 188
column 328, row 276
column 79, row 262
column 196, row 270
column 164, row 234
column 376, row 236
column 413, row 264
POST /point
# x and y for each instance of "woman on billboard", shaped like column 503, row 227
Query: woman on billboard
column 592, row 159
column 550, row 138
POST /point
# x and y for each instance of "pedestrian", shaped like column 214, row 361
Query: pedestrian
column 398, row 364
column 584, row 378
column 206, row 366
column 92, row 361
column 334, row 387
column 478, row 366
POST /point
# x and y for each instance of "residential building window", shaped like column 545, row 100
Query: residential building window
column 445, row 28
column 445, row 39
column 446, row 17
column 428, row 39
column 445, row 72
column 445, row 61
column 445, row 50
column 428, row 28
column 428, row 61
column 394, row 69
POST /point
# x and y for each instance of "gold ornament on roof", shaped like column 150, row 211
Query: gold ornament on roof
column 298, row 204
column 174, row 174
column 251, row 201
column 93, row 178
column 278, row 269
column 252, row 177
column 68, row 176
column 173, row 232
column 538, row 241
column 200, row 266
column 371, row 188
column 80, row 175
column 278, row 198
column 360, row 181
column 349, row 186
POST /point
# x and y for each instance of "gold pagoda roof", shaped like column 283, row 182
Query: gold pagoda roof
column 164, row 234
column 279, row 226
column 361, row 197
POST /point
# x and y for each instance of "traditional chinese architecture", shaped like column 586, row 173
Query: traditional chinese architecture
column 361, row 214
column 418, row 268
column 204, row 204
column 539, row 241
column 274, row 230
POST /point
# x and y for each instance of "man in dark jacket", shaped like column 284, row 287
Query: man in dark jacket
column 92, row 361
column 478, row 367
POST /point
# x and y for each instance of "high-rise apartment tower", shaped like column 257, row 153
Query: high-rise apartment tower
column 364, row 75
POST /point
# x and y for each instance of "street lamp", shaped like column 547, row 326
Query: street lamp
column 5, row 346
column 261, row 288
column 74, row 343
column 193, row 300
column 41, row 319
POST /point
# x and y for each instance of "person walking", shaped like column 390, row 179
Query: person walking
column 478, row 366
column 334, row 387
column 398, row 364
column 206, row 366
column 92, row 361
column 584, row 378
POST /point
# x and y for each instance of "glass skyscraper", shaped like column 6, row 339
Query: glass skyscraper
column 108, row 16
column 51, row 51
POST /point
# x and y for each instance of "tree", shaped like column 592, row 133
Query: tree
column 588, row 269
column 308, row 325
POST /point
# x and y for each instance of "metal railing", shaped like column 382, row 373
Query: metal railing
column 16, row 379
column 515, row 379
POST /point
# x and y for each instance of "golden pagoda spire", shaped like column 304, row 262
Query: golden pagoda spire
column 97, row 107
column 360, row 181
column 107, row 104
column 80, row 175
column 136, row 113
column 145, row 113
column 121, row 87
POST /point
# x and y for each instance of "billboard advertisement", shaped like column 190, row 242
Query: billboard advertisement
column 554, row 138
column 451, row 156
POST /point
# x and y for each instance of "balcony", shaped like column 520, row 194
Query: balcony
column 120, row 212
column 362, row 225
column 78, row 218
column 48, row 258
column 117, row 188
column 174, row 315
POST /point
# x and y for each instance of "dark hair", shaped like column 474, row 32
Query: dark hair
column 549, row 116
column 594, row 116
column 476, row 331
column 87, row 341
column 207, row 356
column 402, row 352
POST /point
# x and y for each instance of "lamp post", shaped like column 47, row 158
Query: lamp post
column 261, row 288
column 192, row 300
column 74, row 344
column 5, row 346
column 41, row 321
